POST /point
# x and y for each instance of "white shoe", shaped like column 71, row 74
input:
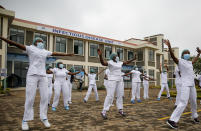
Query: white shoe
column 46, row 123
column 25, row 126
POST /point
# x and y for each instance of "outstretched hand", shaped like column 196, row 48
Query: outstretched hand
column 167, row 42
column 198, row 50
column 99, row 52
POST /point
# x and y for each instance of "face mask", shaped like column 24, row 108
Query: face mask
column 186, row 56
column 117, row 59
column 40, row 45
column 136, row 69
column 61, row 66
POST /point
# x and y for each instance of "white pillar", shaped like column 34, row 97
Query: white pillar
column 86, row 60
column 51, row 43
column 113, row 49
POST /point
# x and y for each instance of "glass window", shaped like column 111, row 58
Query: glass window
column 78, row 47
column 140, row 55
column 151, row 55
column 78, row 67
column 95, row 69
column 130, row 55
column 108, row 51
column 93, row 49
column 120, row 52
column 17, row 35
column 151, row 73
column 61, row 44
column 42, row 36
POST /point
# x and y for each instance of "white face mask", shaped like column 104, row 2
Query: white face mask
column 117, row 59
column 40, row 45
column 136, row 69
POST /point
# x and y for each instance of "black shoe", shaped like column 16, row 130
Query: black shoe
column 104, row 116
column 122, row 113
column 84, row 101
column 172, row 124
column 196, row 120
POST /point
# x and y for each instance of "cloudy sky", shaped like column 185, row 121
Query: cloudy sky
column 178, row 20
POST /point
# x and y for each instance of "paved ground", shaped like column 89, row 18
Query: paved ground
column 86, row 117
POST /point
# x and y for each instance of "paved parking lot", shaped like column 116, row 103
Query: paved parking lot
column 148, row 116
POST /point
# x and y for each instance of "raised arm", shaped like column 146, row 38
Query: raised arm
column 167, row 68
column 127, row 74
column 167, row 42
column 84, row 72
column 160, row 68
column 20, row 46
column 129, row 61
column 61, row 54
column 198, row 55
column 104, row 63
column 70, row 73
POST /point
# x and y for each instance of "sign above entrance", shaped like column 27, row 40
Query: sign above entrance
column 78, row 35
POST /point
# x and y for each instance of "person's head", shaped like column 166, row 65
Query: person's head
column 136, row 69
column 59, row 65
column 185, row 54
column 92, row 71
column 72, row 69
column 164, row 70
column 38, row 42
column 48, row 67
column 114, row 57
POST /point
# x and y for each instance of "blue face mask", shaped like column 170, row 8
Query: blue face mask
column 40, row 45
column 117, row 59
column 186, row 56
column 61, row 66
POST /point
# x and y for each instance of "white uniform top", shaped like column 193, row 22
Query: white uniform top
column 60, row 74
column 115, row 70
column 122, row 77
column 146, row 80
column 106, row 73
column 49, row 77
column 92, row 79
column 199, row 79
column 136, row 76
column 37, row 60
column 164, row 77
column 187, row 73
column 177, row 76
column 68, row 78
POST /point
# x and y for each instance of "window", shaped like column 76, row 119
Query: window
column 130, row 55
column 78, row 67
column 93, row 49
column 42, row 36
column 95, row 69
column 140, row 55
column 108, row 51
column 151, row 73
column 151, row 55
column 120, row 53
column 153, row 40
column 17, row 35
column 78, row 47
column 61, row 44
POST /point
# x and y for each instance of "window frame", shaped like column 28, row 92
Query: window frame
column 105, row 51
column 55, row 41
column 17, row 28
column 122, row 53
column 91, row 43
column 82, row 48
column 127, row 54
column 152, row 60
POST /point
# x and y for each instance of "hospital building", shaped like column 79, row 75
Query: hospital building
column 150, row 51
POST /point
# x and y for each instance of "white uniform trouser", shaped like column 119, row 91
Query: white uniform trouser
column 178, row 86
column 111, row 87
column 58, row 87
column 69, row 90
column 163, row 85
column 32, row 82
column 135, row 90
column 49, row 91
column 94, row 87
column 186, row 94
column 146, row 90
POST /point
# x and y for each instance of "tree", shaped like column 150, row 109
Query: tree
column 197, row 66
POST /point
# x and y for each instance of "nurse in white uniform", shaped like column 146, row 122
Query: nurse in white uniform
column 70, row 79
column 164, row 83
column 178, row 84
column 36, row 78
column 188, row 90
column 146, row 79
column 114, row 80
column 50, row 84
column 60, row 85
column 136, row 82
column 92, row 84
